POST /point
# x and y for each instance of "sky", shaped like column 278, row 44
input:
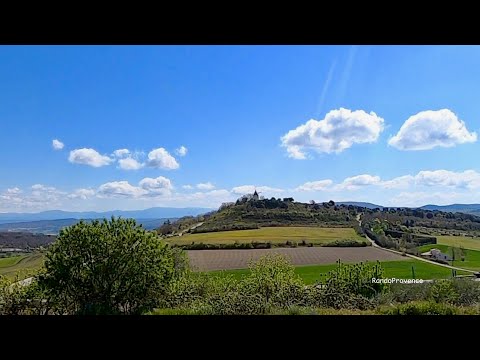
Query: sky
column 131, row 127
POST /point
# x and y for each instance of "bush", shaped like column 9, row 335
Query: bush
column 346, row 243
column 403, row 293
column 108, row 267
column 275, row 280
column 443, row 291
column 468, row 292
column 21, row 299
column 420, row 308
column 351, row 286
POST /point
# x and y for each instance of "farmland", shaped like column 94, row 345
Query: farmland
column 22, row 265
column 457, row 241
column 311, row 234
column 472, row 257
column 205, row 260
column 393, row 269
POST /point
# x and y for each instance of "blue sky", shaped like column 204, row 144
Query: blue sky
column 242, row 115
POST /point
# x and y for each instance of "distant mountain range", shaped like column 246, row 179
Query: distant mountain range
column 361, row 204
column 151, row 213
column 53, row 227
column 473, row 209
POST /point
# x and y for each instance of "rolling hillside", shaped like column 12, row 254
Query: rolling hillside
column 255, row 214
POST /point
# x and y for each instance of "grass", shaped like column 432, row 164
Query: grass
column 472, row 257
column 393, row 269
column 10, row 261
column 23, row 265
column 311, row 234
column 466, row 242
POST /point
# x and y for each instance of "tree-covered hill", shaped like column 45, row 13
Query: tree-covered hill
column 252, row 214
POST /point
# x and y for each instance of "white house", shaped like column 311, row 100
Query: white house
column 437, row 255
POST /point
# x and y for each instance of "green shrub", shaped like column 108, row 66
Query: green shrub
column 443, row 291
column 108, row 267
column 420, row 308
column 346, row 243
column 468, row 292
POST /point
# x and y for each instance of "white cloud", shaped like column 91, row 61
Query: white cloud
column 14, row 191
column 468, row 179
column 161, row 158
column 338, row 131
column 249, row 189
column 89, row 157
column 40, row 187
column 429, row 129
column 181, row 151
column 121, row 153
column 39, row 197
column 129, row 163
column 400, row 182
column 187, row 187
column 294, row 152
column 205, row 186
column 220, row 194
column 120, row 189
column 82, row 194
column 315, row 185
column 158, row 186
column 355, row 182
column 57, row 144
column 420, row 198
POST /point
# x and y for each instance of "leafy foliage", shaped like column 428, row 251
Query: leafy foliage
column 107, row 267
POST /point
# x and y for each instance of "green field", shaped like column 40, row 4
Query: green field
column 472, row 257
column 22, row 265
column 315, row 235
column 393, row 269
column 466, row 242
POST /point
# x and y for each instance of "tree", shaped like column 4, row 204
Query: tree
column 107, row 267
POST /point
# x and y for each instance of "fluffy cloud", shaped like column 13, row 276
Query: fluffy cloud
column 205, row 186
column 161, row 158
column 89, row 157
column 39, row 197
column 82, row 194
column 400, row 182
column 468, row 179
column 158, row 186
column 249, row 189
column 429, row 129
column 294, row 152
column 338, row 131
column 57, row 144
column 14, row 191
column 40, row 187
column 129, row 163
column 120, row 189
column 355, row 182
column 121, row 153
column 315, row 185
column 420, row 198
column 181, row 151
column 187, row 187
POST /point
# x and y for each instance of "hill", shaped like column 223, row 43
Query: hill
column 464, row 208
column 23, row 240
column 53, row 227
column 253, row 214
column 151, row 213
column 360, row 204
